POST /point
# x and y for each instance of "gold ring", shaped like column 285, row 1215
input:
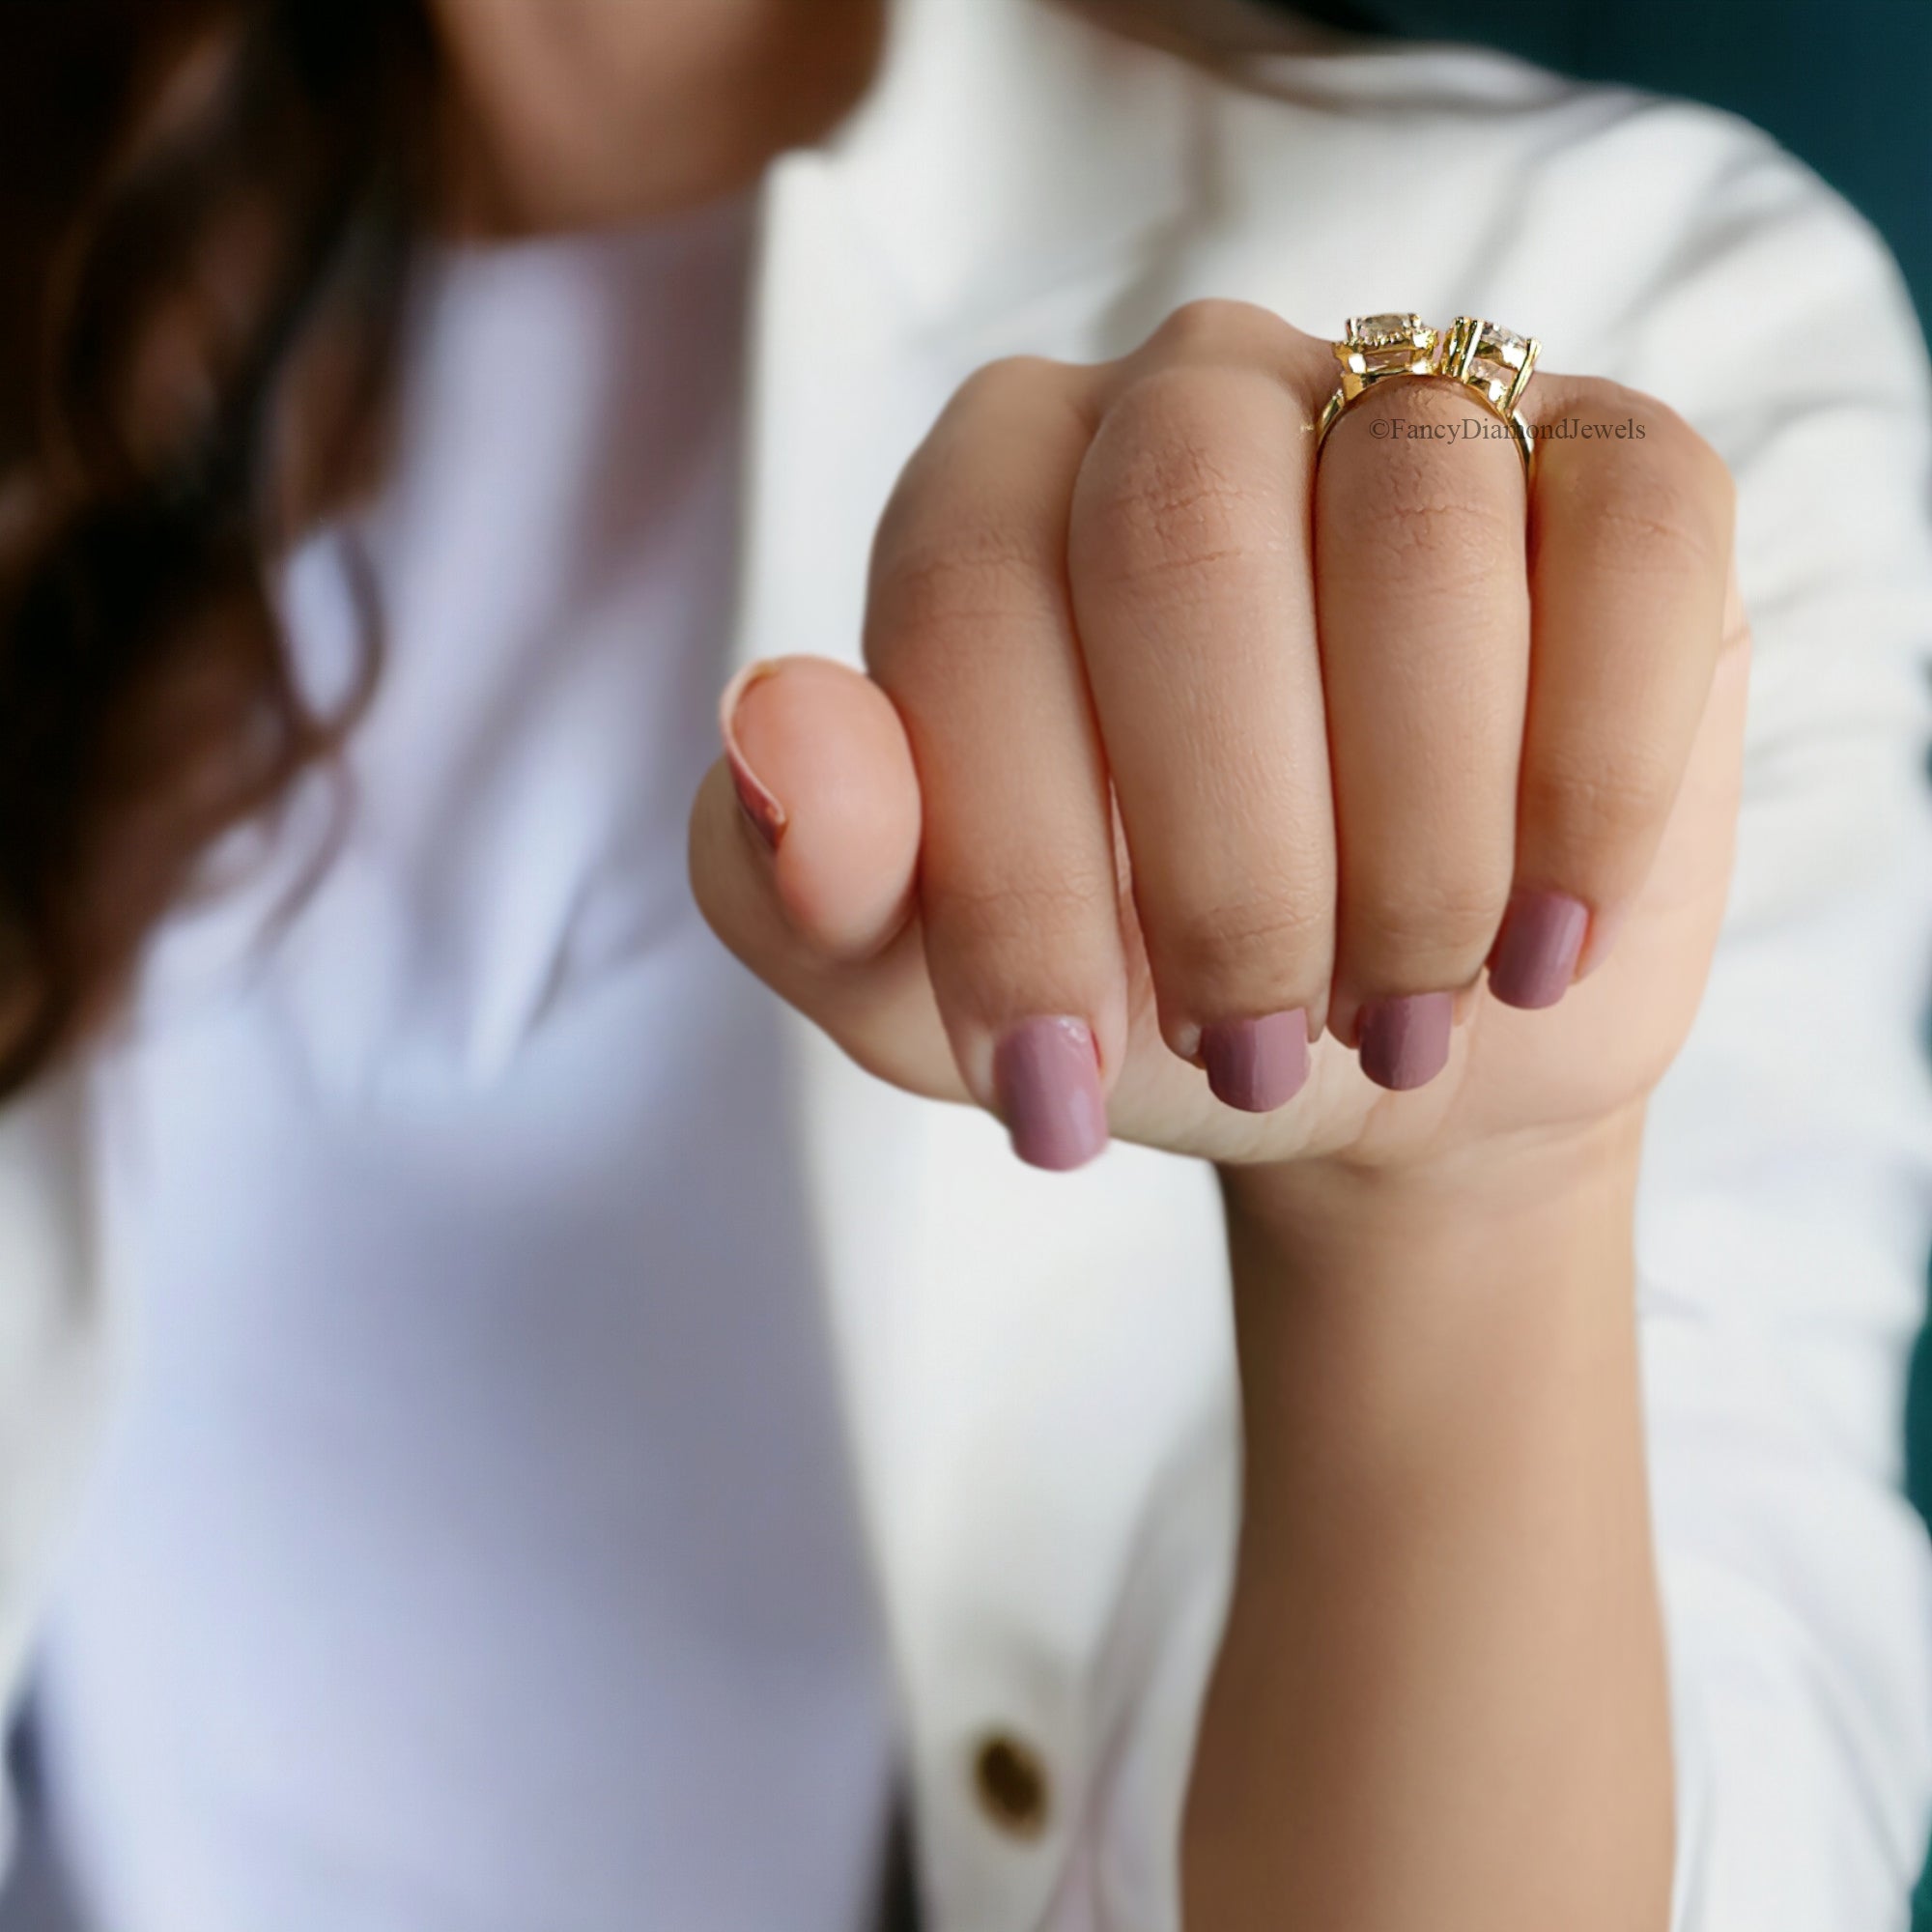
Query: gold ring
column 1491, row 362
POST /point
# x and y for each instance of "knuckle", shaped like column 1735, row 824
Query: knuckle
column 1427, row 526
column 1428, row 931
column 1028, row 913
column 1654, row 496
column 975, row 529
column 1164, row 492
column 1584, row 799
column 1216, row 328
column 1643, row 523
column 1433, row 507
column 979, row 567
column 1012, row 381
column 1257, row 941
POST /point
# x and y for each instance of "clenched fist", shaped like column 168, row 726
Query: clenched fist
column 1204, row 792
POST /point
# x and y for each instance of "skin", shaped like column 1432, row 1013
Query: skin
column 1164, row 724
column 581, row 113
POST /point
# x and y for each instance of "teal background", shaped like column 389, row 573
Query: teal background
column 1846, row 85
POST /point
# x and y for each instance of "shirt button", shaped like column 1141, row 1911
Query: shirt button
column 1012, row 1784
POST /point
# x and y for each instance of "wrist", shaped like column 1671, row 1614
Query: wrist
column 1396, row 1324
column 1444, row 1581
column 1325, row 1217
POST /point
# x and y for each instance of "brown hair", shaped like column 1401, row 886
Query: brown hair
column 206, row 212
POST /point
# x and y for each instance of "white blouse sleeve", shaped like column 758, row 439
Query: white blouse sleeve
column 1787, row 1206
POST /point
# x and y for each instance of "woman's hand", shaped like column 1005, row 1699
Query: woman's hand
column 1178, row 749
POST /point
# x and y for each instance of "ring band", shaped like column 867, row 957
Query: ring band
column 1491, row 362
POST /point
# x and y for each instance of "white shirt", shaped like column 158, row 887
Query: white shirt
column 1036, row 1369
column 477, row 1551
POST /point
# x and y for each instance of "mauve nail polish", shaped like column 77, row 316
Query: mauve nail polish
column 1406, row 1043
column 1046, row 1076
column 1534, row 959
column 1256, row 1065
column 766, row 816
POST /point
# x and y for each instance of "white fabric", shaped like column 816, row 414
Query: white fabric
column 1037, row 1368
column 476, row 1547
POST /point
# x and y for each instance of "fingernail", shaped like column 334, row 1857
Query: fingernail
column 1046, row 1076
column 1406, row 1043
column 1534, row 959
column 766, row 814
column 1256, row 1065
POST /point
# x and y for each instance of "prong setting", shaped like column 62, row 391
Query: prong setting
column 1492, row 362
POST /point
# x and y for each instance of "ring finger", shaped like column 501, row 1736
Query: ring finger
column 1424, row 615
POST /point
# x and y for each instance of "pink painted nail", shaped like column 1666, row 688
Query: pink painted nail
column 768, row 818
column 1046, row 1075
column 1404, row 1043
column 1256, row 1065
column 1535, row 955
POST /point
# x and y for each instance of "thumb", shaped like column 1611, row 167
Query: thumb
column 825, row 786
column 804, row 857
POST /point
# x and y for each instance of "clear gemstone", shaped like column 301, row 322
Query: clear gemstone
column 1383, row 331
column 1501, row 352
column 1501, row 344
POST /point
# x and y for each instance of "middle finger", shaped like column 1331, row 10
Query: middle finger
column 1188, row 548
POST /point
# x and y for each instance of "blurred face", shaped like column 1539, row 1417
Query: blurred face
column 575, row 113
